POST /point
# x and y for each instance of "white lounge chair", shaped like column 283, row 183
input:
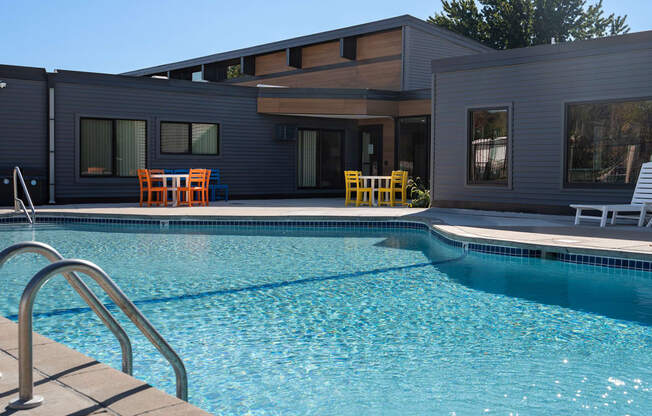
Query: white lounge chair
column 641, row 203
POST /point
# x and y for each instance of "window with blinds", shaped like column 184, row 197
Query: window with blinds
column 112, row 147
column 190, row 138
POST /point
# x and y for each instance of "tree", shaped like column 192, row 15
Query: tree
column 505, row 24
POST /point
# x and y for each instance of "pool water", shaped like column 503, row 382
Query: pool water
column 354, row 321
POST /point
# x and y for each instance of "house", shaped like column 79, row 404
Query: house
column 535, row 129
column 285, row 119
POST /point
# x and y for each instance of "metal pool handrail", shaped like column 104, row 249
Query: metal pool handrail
column 18, row 203
column 84, row 291
column 26, row 397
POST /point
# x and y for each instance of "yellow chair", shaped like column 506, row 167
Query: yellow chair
column 354, row 184
column 397, row 184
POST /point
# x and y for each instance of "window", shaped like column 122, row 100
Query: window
column 112, row 147
column 607, row 142
column 488, row 143
column 320, row 161
column 196, row 76
column 190, row 138
column 414, row 146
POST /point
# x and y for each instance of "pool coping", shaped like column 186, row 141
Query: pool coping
column 73, row 383
column 612, row 258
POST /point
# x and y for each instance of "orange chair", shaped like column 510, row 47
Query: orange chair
column 196, row 185
column 151, row 186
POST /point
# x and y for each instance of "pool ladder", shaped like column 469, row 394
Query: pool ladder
column 69, row 268
column 19, row 205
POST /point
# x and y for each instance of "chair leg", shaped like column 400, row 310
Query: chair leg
column 613, row 217
column 578, row 214
column 641, row 218
column 603, row 218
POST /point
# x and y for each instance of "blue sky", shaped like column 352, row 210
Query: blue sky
column 117, row 36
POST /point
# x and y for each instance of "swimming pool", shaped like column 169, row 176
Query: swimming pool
column 349, row 321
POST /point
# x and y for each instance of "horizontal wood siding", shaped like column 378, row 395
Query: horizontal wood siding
column 271, row 63
column 414, row 108
column 537, row 93
column 373, row 74
column 380, row 44
column 421, row 49
column 23, row 127
column 252, row 161
column 326, row 53
column 377, row 75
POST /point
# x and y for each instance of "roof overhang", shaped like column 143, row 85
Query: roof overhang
column 343, row 103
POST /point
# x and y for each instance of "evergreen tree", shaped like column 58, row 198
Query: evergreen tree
column 505, row 24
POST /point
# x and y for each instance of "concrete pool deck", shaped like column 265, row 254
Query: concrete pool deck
column 549, row 233
column 74, row 384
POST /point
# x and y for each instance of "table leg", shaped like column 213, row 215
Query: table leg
column 177, row 184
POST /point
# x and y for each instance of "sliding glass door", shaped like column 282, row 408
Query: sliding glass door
column 320, row 159
column 414, row 146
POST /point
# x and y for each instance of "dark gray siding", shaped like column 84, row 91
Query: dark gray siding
column 23, row 126
column 252, row 162
column 537, row 93
column 421, row 48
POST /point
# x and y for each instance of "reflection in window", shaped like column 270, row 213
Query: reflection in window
column 414, row 146
column 608, row 142
column 112, row 147
column 488, row 146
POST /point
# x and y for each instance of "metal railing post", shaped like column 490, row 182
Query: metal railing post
column 83, row 290
column 18, row 203
column 26, row 398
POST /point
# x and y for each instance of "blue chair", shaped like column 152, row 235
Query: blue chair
column 215, row 186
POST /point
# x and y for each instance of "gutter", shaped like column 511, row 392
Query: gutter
column 51, row 120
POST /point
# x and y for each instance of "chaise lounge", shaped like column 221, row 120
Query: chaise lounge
column 641, row 203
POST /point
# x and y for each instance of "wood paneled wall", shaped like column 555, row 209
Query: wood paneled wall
column 381, row 75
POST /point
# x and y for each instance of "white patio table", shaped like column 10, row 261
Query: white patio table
column 375, row 182
column 176, row 182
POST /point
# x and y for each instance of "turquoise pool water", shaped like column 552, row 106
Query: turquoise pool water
column 351, row 322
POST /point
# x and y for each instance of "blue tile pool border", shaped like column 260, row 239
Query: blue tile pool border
column 501, row 250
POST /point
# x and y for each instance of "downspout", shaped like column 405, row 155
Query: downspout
column 433, row 109
column 51, row 139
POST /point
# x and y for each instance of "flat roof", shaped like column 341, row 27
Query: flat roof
column 365, row 28
column 559, row 51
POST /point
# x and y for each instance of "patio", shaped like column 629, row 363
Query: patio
column 546, row 232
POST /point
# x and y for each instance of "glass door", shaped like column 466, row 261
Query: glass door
column 371, row 138
column 320, row 159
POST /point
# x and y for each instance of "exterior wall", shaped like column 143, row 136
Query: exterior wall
column 378, row 65
column 420, row 49
column 384, row 73
column 252, row 161
column 537, row 93
column 370, row 46
column 23, row 126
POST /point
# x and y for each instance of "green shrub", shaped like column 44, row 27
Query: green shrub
column 417, row 191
